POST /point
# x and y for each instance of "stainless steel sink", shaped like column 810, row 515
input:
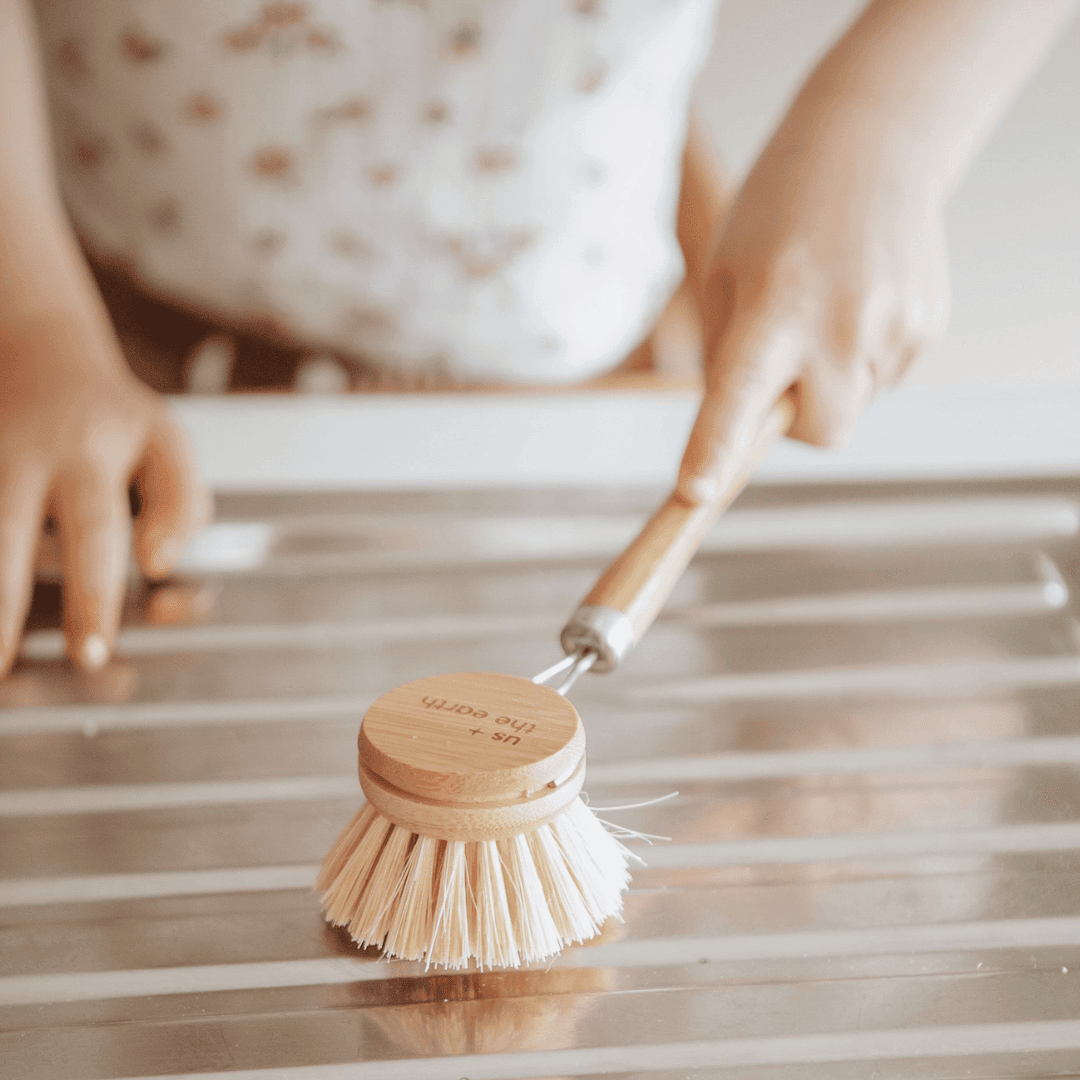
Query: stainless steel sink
column 867, row 698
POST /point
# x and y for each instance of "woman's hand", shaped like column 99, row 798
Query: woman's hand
column 831, row 276
column 76, row 427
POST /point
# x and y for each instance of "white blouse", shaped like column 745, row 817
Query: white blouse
column 482, row 188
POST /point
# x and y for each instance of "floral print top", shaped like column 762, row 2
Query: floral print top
column 481, row 188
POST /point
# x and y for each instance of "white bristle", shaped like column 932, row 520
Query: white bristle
column 349, row 864
column 496, row 939
column 568, row 910
column 453, row 925
column 596, row 860
column 376, row 900
column 496, row 903
column 340, row 854
column 412, row 918
column 534, row 929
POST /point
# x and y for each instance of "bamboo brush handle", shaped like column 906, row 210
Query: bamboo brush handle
column 630, row 593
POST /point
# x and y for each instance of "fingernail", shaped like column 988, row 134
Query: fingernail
column 93, row 652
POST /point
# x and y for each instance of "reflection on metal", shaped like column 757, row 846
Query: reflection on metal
column 720, row 1055
column 114, row 798
column 666, row 952
column 869, row 700
column 962, row 602
column 89, row 889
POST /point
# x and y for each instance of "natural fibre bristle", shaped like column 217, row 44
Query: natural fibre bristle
column 495, row 903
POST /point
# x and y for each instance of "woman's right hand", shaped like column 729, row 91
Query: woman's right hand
column 76, row 428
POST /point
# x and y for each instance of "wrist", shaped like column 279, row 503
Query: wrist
column 933, row 77
column 840, row 122
column 44, row 279
column 61, row 322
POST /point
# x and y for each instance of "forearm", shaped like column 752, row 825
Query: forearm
column 932, row 77
column 40, row 262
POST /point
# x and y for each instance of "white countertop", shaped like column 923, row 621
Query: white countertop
column 626, row 437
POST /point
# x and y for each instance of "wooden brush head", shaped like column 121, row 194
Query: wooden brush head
column 471, row 756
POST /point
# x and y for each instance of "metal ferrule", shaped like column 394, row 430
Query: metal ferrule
column 603, row 630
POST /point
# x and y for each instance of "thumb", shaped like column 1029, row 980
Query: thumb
column 749, row 401
column 175, row 504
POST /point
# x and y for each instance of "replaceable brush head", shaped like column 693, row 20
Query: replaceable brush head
column 474, row 843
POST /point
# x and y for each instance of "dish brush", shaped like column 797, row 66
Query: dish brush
column 473, row 845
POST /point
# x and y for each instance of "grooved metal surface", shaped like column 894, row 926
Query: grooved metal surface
column 867, row 698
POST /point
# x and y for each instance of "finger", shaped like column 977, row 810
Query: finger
column 21, row 514
column 906, row 360
column 95, row 535
column 175, row 504
column 909, row 342
column 831, row 402
column 755, row 362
